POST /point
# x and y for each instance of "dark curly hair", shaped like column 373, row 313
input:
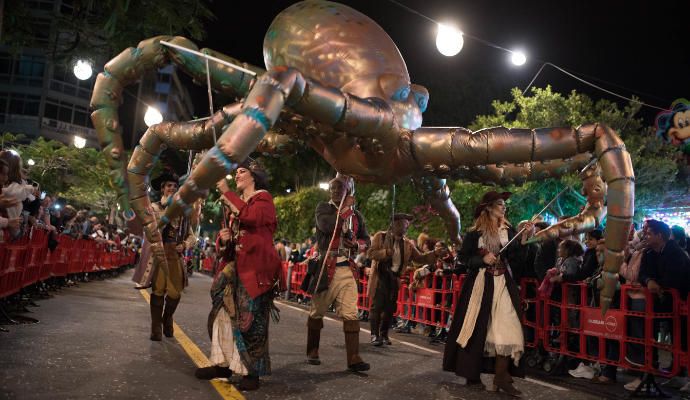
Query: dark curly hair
column 573, row 248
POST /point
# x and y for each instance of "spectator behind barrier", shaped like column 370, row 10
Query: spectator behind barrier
column 5, row 201
column 678, row 234
column 545, row 258
column 16, row 187
column 523, row 265
column 664, row 264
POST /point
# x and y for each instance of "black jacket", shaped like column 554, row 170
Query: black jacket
column 670, row 268
column 545, row 258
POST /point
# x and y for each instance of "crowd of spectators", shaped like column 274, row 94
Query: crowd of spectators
column 656, row 259
column 24, row 206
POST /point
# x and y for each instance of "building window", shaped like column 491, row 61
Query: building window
column 67, row 112
column 22, row 104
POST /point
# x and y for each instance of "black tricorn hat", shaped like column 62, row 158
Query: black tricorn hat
column 398, row 216
column 258, row 172
column 166, row 176
column 488, row 199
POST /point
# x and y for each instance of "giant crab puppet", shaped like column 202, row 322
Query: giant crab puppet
column 335, row 80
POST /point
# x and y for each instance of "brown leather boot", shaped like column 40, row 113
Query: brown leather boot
column 314, row 326
column 354, row 361
column 156, row 305
column 170, row 307
column 502, row 379
column 249, row 382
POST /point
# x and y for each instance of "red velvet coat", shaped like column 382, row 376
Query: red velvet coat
column 257, row 262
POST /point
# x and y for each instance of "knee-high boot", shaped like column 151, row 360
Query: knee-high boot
column 314, row 326
column 354, row 361
column 156, row 305
column 502, row 378
column 170, row 307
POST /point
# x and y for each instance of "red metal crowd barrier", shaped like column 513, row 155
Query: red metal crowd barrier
column 207, row 265
column 27, row 260
column 568, row 322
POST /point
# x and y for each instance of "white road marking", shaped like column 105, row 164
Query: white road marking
column 548, row 385
column 535, row 381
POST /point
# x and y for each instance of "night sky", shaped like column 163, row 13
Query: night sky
column 630, row 47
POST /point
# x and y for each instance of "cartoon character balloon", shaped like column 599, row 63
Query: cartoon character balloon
column 674, row 126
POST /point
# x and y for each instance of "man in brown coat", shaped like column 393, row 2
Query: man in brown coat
column 390, row 253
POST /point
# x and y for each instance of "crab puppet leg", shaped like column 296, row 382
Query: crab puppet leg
column 128, row 67
column 273, row 91
column 178, row 135
column 447, row 149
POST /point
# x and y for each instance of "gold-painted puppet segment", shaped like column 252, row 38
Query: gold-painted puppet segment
column 127, row 68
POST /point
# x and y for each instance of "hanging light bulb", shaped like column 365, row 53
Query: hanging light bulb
column 518, row 57
column 82, row 70
column 449, row 40
column 152, row 116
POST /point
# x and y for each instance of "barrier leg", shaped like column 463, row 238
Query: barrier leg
column 649, row 388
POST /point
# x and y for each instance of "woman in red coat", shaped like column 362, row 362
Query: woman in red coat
column 242, row 293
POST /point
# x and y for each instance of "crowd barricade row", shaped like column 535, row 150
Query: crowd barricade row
column 27, row 260
column 568, row 322
column 207, row 265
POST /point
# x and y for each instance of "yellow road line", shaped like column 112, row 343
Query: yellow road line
column 223, row 387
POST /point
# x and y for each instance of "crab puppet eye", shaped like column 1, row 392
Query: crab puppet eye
column 421, row 100
column 402, row 93
column 421, row 96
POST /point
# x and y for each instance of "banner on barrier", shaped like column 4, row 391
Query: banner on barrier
column 425, row 297
column 609, row 326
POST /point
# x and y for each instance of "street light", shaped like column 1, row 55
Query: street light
column 82, row 70
column 152, row 116
column 518, row 57
column 79, row 142
column 31, row 162
column 323, row 185
column 449, row 40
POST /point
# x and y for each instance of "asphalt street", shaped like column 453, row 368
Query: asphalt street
column 92, row 343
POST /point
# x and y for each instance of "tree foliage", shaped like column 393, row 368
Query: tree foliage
column 654, row 162
column 97, row 29
column 78, row 175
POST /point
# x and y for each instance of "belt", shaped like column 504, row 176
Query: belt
column 343, row 264
column 496, row 271
column 339, row 253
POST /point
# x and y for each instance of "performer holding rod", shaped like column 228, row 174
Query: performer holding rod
column 486, row 325
column 242, row 293
column 167, row 290
column 390, row 253
column 340, row 233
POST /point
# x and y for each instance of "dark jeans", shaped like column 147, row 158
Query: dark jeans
column 634, row 351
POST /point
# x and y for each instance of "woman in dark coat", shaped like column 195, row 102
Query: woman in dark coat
column 486, row 332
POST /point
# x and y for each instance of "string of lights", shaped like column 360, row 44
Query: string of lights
column 449, row 42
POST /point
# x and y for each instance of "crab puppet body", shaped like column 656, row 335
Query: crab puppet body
column 335, row 80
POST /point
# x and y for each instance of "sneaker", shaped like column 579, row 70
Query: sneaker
column 685, row 388
column 631, row 386
column 582, row 371
column 633, row 363
column 376, row 340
